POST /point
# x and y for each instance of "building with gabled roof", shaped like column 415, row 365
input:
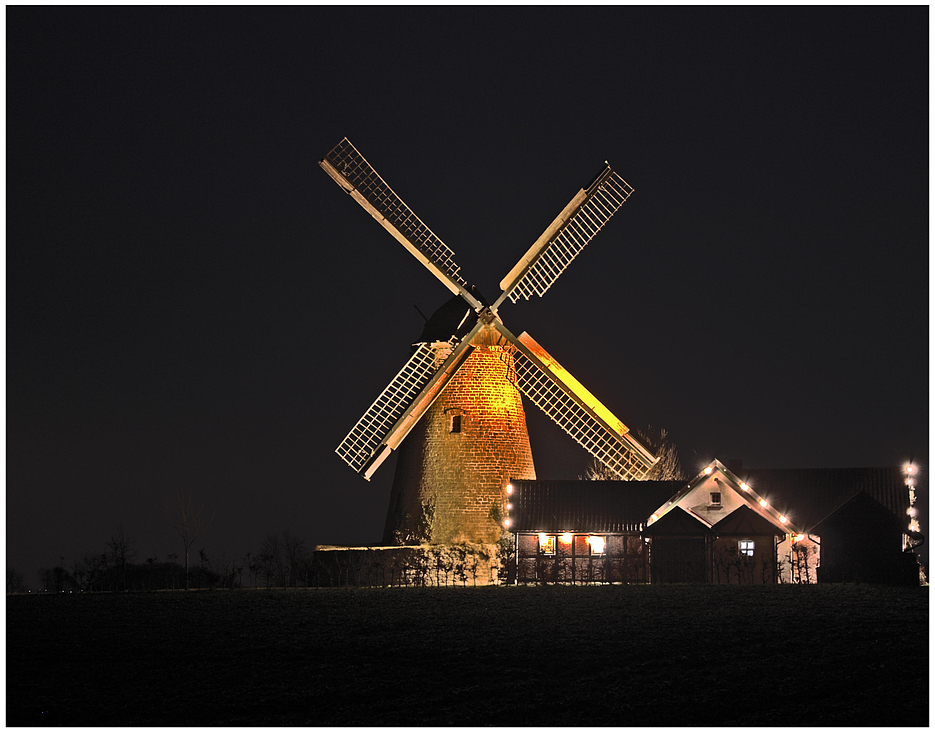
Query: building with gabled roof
column 681, row 548
column 554, row 523
column 811, row 494
column 717, row 527
column 858, row 541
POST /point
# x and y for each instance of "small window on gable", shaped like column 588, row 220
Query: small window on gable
column 746, row 548
column 455, row 423
column 715, row 498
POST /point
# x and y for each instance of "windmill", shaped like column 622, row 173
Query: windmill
column 457, row 397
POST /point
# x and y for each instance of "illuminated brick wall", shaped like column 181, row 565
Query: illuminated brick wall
column 461, row 454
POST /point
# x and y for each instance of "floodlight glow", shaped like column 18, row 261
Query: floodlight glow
column 912, row 511
column 910, row 482
column 763, row 502
column 654, row 517
column 910, row 468
column 542, row 538
column 782, row 519
column 507, row 523
column 744, row 487
column 799, row 538
column 509, row 488
column 566, row 537
column 708, row 471
column 509, row 507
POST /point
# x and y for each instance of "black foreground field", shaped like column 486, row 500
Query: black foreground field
column 623, row 655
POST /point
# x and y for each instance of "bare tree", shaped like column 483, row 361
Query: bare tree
column 14, row 581
column 668, row 468
column 120, row 553
column 189, row 523
column 295, row 555
column 271, row 556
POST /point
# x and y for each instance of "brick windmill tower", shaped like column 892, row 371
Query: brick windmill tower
column 457, row 398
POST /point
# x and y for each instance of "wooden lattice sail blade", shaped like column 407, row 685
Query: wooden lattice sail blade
column 575, row 410
column 356, row 176
column 563, row 240
column 398, row 408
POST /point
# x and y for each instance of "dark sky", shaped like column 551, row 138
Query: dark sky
column 193, row 304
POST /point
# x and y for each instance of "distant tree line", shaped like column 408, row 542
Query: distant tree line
column 283, row 560
column 115, row 569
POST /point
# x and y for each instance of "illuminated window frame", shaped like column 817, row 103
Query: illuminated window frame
column 547, row 544
column 601, row 540
column 715, row 498
column 746, row 547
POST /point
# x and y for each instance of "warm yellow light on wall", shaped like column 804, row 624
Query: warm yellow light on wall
column 566, row 537
column 798, row 538
column 543, row 538
column 509, row 488
column 509, row 507
column 507, row 523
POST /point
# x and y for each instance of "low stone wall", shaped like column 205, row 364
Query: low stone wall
column 420, row 565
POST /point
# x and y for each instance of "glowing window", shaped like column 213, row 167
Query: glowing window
column 547, row 544
column 746, row 548
column 597, row 545
column 455, row 423
column 716, row 498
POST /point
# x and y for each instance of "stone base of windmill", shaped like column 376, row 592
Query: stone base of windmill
column 463, row 564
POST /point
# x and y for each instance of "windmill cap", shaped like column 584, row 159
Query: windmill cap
column 454, row 318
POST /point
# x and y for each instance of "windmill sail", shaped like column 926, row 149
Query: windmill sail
column 575, row 410
column 398, row 408
column 355, row 175
column 536, row 374
column 563, row 240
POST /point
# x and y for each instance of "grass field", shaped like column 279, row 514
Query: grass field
column 513, row 656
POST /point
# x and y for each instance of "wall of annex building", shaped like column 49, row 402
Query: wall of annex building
column 554, row 560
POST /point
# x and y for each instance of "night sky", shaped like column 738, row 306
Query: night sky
column 193, row 304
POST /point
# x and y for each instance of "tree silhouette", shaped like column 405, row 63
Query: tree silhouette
column 668, row 468
column 14, row 581
column 120, row 552
column 189, row 523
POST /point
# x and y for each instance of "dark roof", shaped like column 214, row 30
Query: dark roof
column 808, row 495
column 859, row 511
column 744, row 521
column 678, row 523
column 588, row 506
